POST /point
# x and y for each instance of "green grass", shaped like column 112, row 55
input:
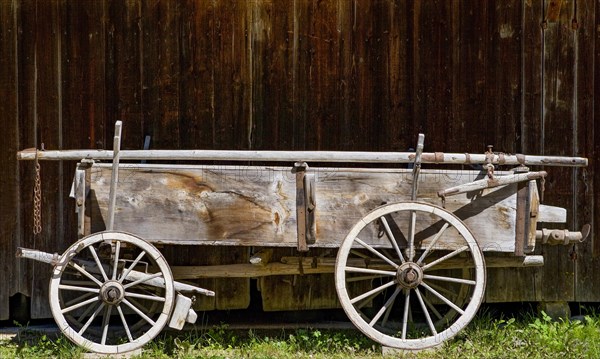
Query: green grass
column 488, row 336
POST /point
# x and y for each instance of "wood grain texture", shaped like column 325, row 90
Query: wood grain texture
column 558, row 114
column 241, row 205
column 10, row 217
column 588, row 253
column 304, row 74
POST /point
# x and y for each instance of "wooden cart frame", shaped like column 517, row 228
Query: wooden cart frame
column 410, row 269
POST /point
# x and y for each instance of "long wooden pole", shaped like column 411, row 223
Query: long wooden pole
column 305, row 156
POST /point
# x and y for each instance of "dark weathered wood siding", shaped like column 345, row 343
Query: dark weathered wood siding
column 298, row 74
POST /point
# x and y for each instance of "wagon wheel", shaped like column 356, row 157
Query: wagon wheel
column 410, row 306
column 97, row 303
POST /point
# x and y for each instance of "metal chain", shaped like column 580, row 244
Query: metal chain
column 37, row 199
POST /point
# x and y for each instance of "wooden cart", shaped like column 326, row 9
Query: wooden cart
column 410, row 269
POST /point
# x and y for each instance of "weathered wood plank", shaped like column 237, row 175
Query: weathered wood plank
column 503, row 103
column 122, row 58
column 160, row 78
column 48, row 113
column 587, row 263
column 10, row 216
column 558, row 115
column 232, row 121
column 503, row 83
column 201, row 31
column 244, row 205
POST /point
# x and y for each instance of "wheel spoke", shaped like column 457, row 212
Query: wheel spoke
column 79, row 305
column 369, row 271
column 376, row 252
column 443, row 290
column 142, row 280
column 411, row 236
column 78, row 289
column 79, row 283
column 85, row 273
column 358, row 254
column 144, row 296
column 135, row 262
column 385, row 307
column 105, row 323
column 405, row 316
column 432, row 244
column 91, row 319
column 364, row 277
column 139, row 312
column 116, row 262
column 426, row 312
column 124, row 323
column 449, row 279
column 391, row 238
column 100, row 268
column 365, row 301
column 447, row 256
column 373, row 291
column 432, row 308
column 78, row 299
column 444, row 299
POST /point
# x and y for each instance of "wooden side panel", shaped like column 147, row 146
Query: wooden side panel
column 10, row 219
column 255, row 206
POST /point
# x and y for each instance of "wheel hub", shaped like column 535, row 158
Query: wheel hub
column 112, row 292
column 409, row 275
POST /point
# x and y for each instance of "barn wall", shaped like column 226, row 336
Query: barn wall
column 294, row 75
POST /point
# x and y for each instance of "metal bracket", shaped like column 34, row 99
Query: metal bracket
column 115, row 176
column 305, row 206
column 522, row 225
column 417, row 166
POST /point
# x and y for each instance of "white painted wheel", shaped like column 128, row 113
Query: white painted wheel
column 96, row 301
column 413, row 300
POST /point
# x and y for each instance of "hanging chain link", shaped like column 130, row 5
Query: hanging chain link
column 37, row 199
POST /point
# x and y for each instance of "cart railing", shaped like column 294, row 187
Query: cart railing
column 306, row 156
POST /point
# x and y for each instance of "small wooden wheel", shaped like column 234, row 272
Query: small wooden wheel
column 105, row 282
column 424, row 272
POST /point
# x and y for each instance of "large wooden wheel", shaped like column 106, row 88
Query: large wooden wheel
column 111, row 292
column 416, row 301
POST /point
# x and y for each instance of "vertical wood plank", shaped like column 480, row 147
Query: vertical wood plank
column 199, row 27
column 316, row 75
column 433, row 61
column 469, row 80
column 124, row 69
column 232, row 120
column 509, row 22
column 587, row 263
column 531, row 128
column 82, row 62
column 49, row 120
column 503, row 85
column 160, row 78
column 558, row 114
column 397, row 81
column 26, row 42
column 10, row 219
